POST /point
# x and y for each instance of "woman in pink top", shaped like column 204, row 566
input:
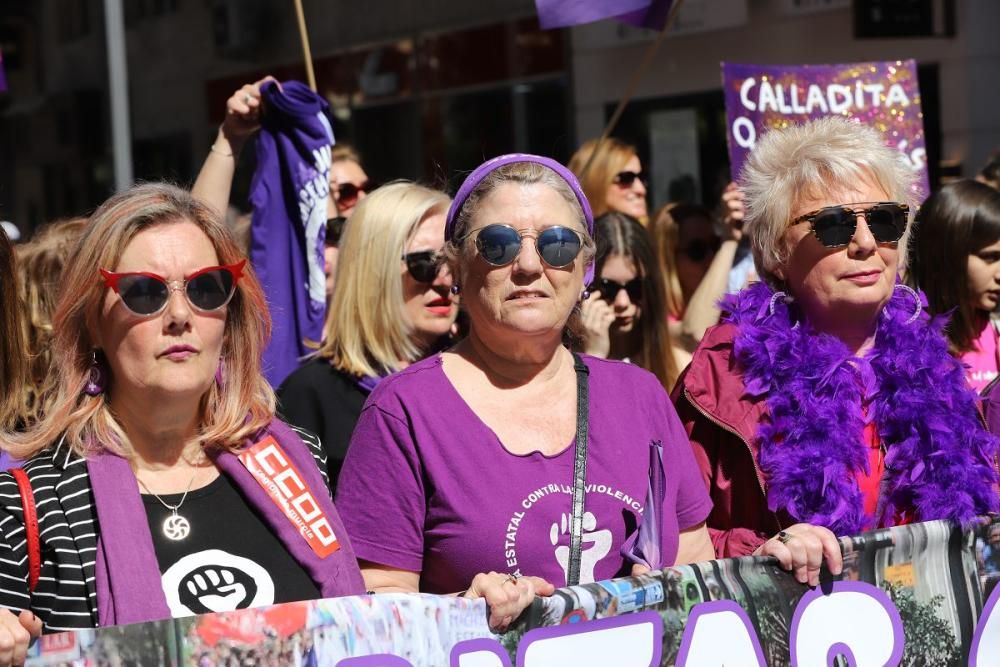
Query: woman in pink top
column 955, row 260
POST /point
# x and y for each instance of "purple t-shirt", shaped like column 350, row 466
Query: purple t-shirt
column 428, row 487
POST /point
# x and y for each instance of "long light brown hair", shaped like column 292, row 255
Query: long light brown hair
column 12, row 357
column 665, row 230
column 40, row 266
column 611, row 159
column 621, row 235
column 231, row 411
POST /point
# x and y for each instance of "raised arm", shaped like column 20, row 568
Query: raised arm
column 215, row 180
column 702, row 310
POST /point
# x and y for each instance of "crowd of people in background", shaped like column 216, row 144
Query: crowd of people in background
column 809, row 355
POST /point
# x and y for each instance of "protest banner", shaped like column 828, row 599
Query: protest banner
column 883, row 95
column 922, row 594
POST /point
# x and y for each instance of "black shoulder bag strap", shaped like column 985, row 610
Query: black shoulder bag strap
column 579, row 470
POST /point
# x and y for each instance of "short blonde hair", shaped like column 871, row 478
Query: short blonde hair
column 232, row 410
column 805, row 160
column 366, row 330
column 341, row 152
column 611, row 159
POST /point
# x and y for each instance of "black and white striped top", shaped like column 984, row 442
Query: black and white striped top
column 65, row 597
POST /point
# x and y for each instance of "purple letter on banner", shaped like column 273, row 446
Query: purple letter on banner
column 986, row 640
column 857, row 620
column 883, row 95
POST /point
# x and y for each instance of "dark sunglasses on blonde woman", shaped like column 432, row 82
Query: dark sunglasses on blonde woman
column 625, row 179
column 834, row 226
column 347, row 193
column 424, row 265
column 147, row 294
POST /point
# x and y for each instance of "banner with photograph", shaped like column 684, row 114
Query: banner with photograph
column 923, row 594
column 883, row 95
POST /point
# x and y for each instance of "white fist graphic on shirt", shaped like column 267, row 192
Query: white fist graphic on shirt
column 599, row 542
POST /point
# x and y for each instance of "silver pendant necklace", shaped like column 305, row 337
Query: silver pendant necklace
column 175, row 527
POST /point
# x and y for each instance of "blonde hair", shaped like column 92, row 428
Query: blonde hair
column 665, row 229
column 232, row 410
column 341, row 152
column 609, row 161
column 804, row 161
column 366, row 330
column 40, row 264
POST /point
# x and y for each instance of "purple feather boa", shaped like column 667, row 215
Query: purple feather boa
column 939, row 461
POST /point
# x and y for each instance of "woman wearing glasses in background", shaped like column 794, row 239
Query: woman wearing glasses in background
column 827, row 402
column 149, row 471
column 460, row 474
column 393, row 306
column 625, row 316
column 694, row 261
column 612, row 179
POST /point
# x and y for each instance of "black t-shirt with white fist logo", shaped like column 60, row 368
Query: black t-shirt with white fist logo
column 230, row 559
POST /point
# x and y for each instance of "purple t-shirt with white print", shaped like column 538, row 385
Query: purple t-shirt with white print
column 428, row 487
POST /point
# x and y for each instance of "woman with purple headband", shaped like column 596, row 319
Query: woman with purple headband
column 507, row 465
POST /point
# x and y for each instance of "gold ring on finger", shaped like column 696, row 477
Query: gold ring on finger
column 511, row 578
column 784, row 537
column 246, row 99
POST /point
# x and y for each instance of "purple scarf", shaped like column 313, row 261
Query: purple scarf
column 939, row 461
column 129, row 589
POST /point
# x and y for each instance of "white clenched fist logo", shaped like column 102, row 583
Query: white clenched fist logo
column 594, row 545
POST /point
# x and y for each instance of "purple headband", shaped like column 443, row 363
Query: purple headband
column 486, row 168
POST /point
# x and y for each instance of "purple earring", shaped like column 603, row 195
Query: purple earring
column 585, row 295
column 456, row 288
column 220, row 373
column 97, row 377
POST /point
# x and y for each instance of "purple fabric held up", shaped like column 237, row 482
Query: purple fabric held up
column 289, row 195
column 427, row 487
column 640, row 13
column 643, row 546
column 128, row 582
column 3, row 76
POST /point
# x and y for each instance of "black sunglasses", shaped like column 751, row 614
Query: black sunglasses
column 424, row 265
column 334, row 230
column 347, row 193
column 609, row 289
column 834, row 226
column 699, row 249
column 627, row 178
column 499, row 244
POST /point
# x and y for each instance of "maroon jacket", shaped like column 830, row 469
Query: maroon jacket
column 721, row 421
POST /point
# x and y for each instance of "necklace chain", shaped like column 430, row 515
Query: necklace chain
column 172, row 508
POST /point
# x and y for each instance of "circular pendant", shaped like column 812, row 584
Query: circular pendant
column 176, row 527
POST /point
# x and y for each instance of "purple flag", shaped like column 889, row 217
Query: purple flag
column 640, row 13
column 3, row 76
column 883, row 95
column 289, row 195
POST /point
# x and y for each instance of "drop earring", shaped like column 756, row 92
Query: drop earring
column 97, row 376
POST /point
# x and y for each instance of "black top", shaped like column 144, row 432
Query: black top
column 328, row 402
column 229, row 560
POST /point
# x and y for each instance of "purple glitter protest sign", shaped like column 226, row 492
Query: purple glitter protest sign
column 883, row 95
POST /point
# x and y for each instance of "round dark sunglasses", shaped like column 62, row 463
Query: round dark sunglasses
column 424, row 265
column 347, row 193
column 834, row 226
column 147, row 294
column 626, row 178
column 499, row 244
column 609, row 289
